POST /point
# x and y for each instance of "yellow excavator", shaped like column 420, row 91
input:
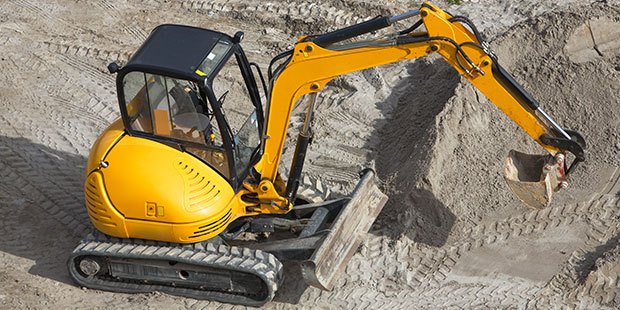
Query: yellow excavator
column 185, row 192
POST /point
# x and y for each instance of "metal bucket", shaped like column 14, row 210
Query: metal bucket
column 534, row 178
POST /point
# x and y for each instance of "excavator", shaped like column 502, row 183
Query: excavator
column 185, row 190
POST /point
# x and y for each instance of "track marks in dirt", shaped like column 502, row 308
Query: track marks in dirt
column 57, row 203
column 294, row 15
column 528, row 224
column 42, row 11
column 424, row 269
column 584, row 274
column 612, row 187
column 415, row 275
column 41, row 138
column 83, row 85
column 87, row 52
column 106, row 5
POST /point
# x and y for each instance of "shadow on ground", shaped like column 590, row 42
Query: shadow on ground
column 40, row 191
column 41, row 199
column 404, row 150
column 293, row 287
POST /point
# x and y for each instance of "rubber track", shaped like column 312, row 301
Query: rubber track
column 256, row 262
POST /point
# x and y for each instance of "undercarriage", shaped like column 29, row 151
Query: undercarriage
column 244, row 264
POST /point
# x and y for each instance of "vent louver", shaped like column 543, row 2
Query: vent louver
column 200, row 191
column 93, row 192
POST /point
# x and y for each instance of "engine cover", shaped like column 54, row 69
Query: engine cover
column 145, row 189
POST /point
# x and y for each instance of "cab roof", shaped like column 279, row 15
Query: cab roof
column 175, row 50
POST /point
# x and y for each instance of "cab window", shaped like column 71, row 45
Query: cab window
column 229, row 86
column 172, row 108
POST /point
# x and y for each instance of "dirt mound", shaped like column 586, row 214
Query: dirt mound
column 443, row 150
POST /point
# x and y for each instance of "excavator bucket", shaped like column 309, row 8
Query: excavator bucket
column 345, row 234
column 534, row 178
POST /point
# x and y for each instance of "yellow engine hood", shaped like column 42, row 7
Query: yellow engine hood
column 147, row 180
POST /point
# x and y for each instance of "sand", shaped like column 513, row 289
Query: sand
column 451, row 236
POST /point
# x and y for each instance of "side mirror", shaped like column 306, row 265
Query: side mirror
column 238, row 37
column 113, row 67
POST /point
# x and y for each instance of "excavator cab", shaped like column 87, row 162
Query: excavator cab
column 180, row 100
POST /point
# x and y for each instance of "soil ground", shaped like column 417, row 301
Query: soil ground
column 451, row 235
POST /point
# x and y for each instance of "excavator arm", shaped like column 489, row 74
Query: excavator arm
column 316, row 60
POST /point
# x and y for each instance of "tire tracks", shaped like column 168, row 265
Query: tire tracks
column 35, row 11
column 299, row 16
column 430, row 291
column 55, row 207
column 422, row 268
column 85, row 51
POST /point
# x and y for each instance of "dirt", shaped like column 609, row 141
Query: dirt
column 460, row 154
column 451, row 236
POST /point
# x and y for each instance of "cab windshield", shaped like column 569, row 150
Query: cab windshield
column 229, row 85
column 215, row 57
column 172, row 108
column 225, row 134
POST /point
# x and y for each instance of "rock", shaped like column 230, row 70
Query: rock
column 606, row 34
column 580, row 46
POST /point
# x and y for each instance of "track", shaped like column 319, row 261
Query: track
column 247, row 277
column 55, row 97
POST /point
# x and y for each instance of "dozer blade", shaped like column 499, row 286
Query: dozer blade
column 345, row 234
column 534, row 178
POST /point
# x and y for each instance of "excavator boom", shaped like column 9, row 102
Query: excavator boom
column 317, row 60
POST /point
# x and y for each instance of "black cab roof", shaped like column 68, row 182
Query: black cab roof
column 177, row 50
